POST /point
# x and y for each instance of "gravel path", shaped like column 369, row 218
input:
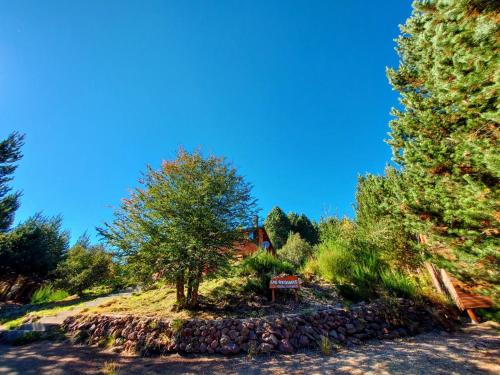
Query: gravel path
column 474, row 350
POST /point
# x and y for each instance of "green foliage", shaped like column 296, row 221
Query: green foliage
column 379, row 217
column 10, row 153
column 34, row 248
column 304, row 227
column 349, row 256
column 445, row 137
column 261, row 266
column 85, row 266
column 296, row 250
column 277, row 227
column 399, row 283
column 325, row 346
column 46, row 294
column 176, row 224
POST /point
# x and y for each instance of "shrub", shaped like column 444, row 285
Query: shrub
column 262, row 266
column 47, row 293
column 85, row 266
column 296, row 250
column 399, row 283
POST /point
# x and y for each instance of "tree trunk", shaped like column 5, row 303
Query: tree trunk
column 180, row 289
column 194, row 285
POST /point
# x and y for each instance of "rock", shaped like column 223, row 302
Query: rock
column 265, row 347
column 203, row 348
column 303, row 341
column 272, row 339
column 333, row 334
column 214, row 344
column 224, row 340
column 233, row 334
column 350, row 328
column 285, row 346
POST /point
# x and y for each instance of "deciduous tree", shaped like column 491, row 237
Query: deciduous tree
column 183, row 221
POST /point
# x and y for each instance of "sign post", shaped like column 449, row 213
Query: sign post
column 284, row 282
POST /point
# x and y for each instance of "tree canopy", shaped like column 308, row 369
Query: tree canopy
column 445, row 136
column 277, row 227
column 10, row 153
column 183, row 220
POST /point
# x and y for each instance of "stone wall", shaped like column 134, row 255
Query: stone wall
column 277, row 334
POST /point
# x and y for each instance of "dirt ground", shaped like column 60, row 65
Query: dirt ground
column 474, row 350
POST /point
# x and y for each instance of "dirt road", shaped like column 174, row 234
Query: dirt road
column 475, row 350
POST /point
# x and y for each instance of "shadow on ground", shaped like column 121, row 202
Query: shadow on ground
column 475, row 350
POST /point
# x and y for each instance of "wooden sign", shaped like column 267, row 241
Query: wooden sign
column 284, row 282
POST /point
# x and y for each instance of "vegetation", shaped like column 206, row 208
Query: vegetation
column 296, row 250
column 176, row 226
column 350, row 257
column 47, row 294
column 34, row 248
column 10, row 154
column 85, row 266
column 277, row 226
column 300, row 224
column 445, row 138
column 260, row 267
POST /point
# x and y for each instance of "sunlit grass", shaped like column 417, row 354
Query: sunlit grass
column 161, row 302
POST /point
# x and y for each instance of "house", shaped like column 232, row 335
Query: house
column 255, row 238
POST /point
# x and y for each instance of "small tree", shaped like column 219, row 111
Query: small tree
column 34, row 248
column 277, row 227
column 85, row 266
column 296, row 250
column 183, row 221
column 10, row 153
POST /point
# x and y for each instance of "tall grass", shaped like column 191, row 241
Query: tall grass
column 399, row 283
column 47, row 294
column 352, row 258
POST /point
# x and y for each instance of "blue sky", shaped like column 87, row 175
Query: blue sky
column 293, row 92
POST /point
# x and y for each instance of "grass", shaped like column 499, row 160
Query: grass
column 399, row 283
column 161, row 301
column 12, row 318
column 325, row 346
column 110, row 368
column 47, row 294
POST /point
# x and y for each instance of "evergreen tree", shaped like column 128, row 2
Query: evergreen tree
column 277, row 227
column 10, row 153
column 379, row 218
column 446, row 135
column 302, row 225
column 34, row 248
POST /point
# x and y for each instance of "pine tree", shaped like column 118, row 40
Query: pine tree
column 302, row 225
column 10, row 153
column 445, row 137
column 277, row 227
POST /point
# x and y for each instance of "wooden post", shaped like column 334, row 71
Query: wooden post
column 434, row 276
column 274, row 297
column 472, row 316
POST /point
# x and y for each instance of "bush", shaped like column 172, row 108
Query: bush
column 85, row 266
column 296, row 250
column 398, row 283
column 262, row 266
column 47, row 294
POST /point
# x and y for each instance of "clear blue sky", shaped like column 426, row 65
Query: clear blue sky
column 293, row 92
